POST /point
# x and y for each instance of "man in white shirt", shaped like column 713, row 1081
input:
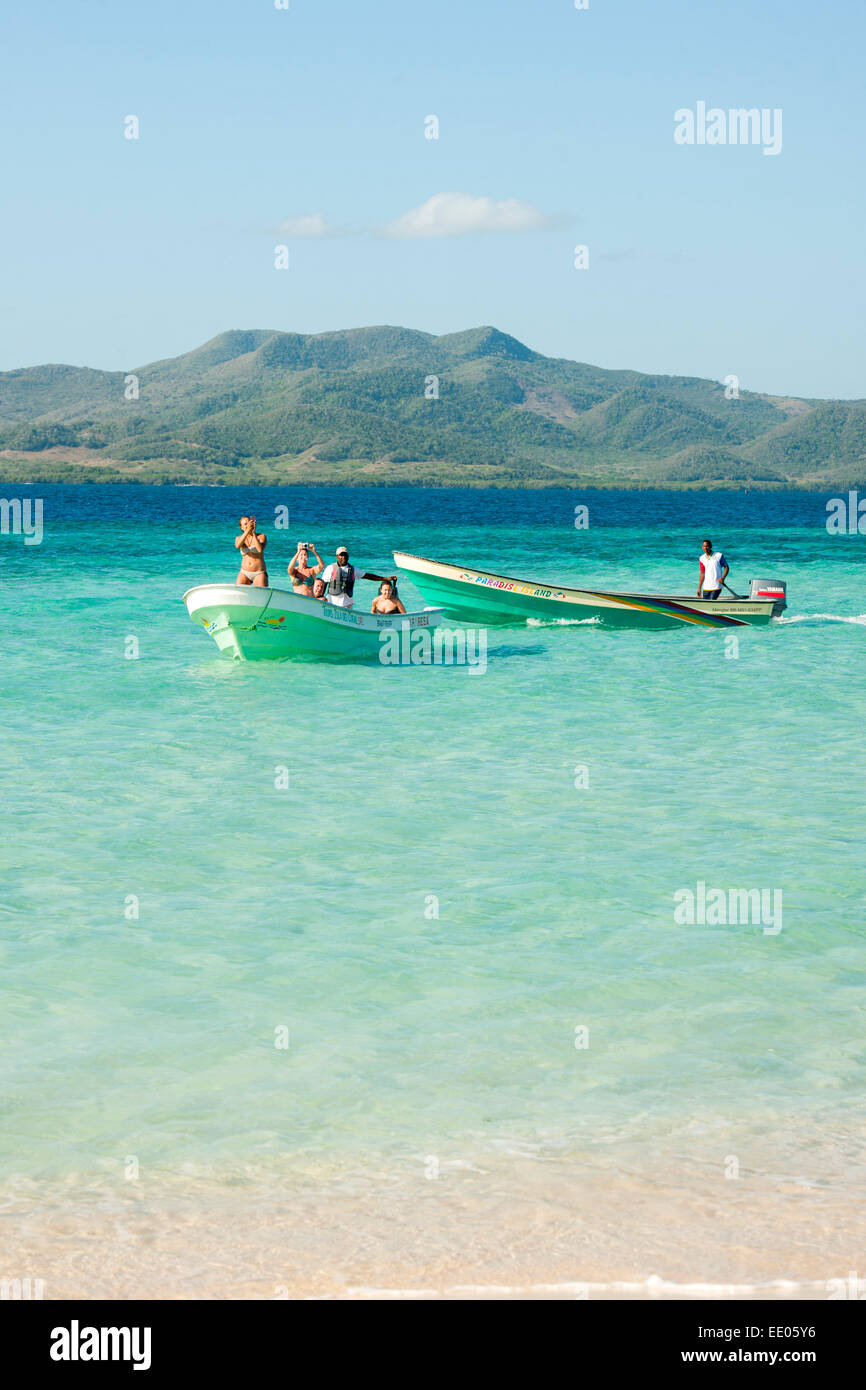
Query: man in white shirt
column 340, row 577
column 713, row 573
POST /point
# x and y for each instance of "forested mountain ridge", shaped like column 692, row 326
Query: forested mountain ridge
column 395, row 405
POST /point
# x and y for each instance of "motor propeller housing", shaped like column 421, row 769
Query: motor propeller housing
column 769, row 589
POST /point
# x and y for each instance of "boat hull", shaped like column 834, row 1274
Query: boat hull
column 483, row 597
column 272, row 624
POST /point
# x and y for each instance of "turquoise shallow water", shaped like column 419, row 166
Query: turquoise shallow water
column 310, row 908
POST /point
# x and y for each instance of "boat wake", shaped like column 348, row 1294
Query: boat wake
column 859, row 619
column 563, row 622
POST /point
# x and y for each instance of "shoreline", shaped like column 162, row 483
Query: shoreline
column 547, row 1230
column 815, row 488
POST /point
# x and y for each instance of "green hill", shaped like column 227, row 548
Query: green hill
column 395, row 405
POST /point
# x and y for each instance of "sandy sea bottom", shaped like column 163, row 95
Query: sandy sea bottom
column 510, row 1227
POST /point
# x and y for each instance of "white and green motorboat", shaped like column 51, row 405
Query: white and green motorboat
column 251, row 623
column 480, row 596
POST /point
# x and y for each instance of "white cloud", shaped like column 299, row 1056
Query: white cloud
column 457, row 214
column 313, row 225
column 445, row 214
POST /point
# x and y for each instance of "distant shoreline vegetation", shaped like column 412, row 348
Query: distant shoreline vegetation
column 75, row 477
column 395, row 407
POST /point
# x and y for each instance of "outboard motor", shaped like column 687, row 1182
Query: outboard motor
column 765, row 589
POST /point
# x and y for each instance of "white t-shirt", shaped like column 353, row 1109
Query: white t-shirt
column 340, row 600
column 712, row 566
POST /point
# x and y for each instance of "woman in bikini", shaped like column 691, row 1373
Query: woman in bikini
column 302, row 573
column 387, row 600
column 252, row 547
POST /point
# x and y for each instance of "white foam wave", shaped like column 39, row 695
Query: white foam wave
column 859, row 619
column 653, row 1287
column 561, row 622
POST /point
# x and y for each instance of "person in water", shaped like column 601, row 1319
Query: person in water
column 387, row 600
column 340, row 578
column 302, row 573
column 252, row 544
column 319, row 588
column 713, row 572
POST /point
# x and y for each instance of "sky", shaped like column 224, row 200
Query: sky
column 306, row 128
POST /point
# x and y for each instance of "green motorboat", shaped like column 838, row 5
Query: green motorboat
column 480, row 596
column 251, row 623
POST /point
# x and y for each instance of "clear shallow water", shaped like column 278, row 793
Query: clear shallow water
column 411, row 1035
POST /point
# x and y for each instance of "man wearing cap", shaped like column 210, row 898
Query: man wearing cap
column 339, row 579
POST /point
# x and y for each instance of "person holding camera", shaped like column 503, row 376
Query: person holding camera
column 252, row 547
column 301, row 572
